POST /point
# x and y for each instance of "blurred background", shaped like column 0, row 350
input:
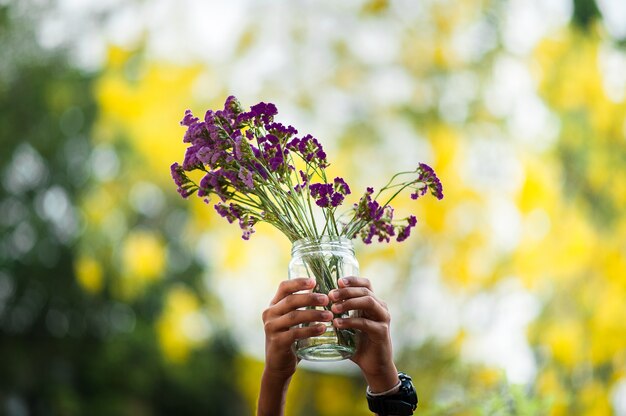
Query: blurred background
column 119, row 298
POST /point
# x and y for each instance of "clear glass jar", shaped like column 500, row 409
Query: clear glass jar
column 327, row 260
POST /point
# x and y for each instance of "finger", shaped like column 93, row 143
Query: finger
column 293, row 318
column 349, row 292
column 355, row 281
column 287, row 287
column 374, row 329
column 369, row 306
column 298, row 300
column 287, row 338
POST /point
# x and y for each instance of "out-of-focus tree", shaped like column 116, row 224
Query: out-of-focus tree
column 80, row 318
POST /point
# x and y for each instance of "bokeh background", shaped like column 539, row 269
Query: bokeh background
column 119, row 298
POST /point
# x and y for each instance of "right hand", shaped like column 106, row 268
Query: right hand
column 281, row 323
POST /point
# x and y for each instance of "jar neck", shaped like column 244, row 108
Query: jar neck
column 322, row 244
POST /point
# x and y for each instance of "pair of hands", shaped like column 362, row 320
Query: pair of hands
column 282, row 318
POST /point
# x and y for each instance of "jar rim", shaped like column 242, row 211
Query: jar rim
column 332, row 241
column 322, row 239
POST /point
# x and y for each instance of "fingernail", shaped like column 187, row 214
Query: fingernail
column 332, row 294
column 320, row 298
column 338, row 322
column 327, row 315
column 321, row 328
column 337, row 308
column 345, row 280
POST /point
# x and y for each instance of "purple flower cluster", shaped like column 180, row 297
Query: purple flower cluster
column 185, row 186
column 379, row 221
column 248, row 161
column 405, row 231
column 428, row 180
column 329, row 194
column 234, row 212
column 239, row 150
column 259, row 114
column 304, row 181
column 310, row 149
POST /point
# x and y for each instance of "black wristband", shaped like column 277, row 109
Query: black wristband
column 402, row 403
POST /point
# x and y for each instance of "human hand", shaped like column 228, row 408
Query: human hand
column 281, row 323
column 375, row 354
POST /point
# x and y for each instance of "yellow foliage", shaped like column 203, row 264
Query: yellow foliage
column 594, row 400
column 576, row 82
column 97, row 205
column 117, row 57
column 566, row 341
column 329, row 398
column 89, row 274
column 173, row 326
column 540, row 188
column 149, row 111
column 608, row 331
column 566, row 251
column 249, row 372
column 548, row 386
column 488, row 378
column 143, row 261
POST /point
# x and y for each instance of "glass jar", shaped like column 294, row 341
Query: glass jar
column 327, row 260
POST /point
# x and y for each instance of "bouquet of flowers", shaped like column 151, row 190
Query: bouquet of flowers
column 257, row 169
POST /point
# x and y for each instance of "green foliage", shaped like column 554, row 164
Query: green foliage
column 64, row 351
column 585, row 13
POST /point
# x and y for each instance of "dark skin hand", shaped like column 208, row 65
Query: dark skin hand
column 281, row 323
column 375, row 354
column 281, row 320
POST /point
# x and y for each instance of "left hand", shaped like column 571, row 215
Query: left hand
column 374, row 355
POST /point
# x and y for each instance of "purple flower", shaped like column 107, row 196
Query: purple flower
column 191, row 160
column 368, row 209
column 405, row 232
column 341, row 186
column 260, row 169
column 188, row 119
column 322, row 193
column 232, row 108
column 246, row 177
column 184, row 186
column 260, row 114
column 429, row 181
column 274, row 154
column 264, row 111
column 227, row 211
column 198, row 132
column 336, row 199
column 246, row 225
column 280, row 131
column 381, row 228
column 329, row 195
column 238, row 144
column 276, row 162
column 304, row 181
column 235, row 212
column 214, row 182
column 310, row 149
column 247, row 156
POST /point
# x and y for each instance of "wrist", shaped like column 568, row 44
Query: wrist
column 273, row 393
column 276, row 378
column 382, row 380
